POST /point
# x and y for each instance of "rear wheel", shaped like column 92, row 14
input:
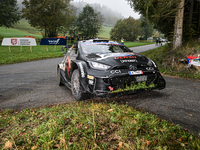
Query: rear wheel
column 59, row 77
column 76, row 87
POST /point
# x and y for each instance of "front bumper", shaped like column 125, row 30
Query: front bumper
column 125, row 84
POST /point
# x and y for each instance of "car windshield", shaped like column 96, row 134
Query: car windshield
column 104, row 48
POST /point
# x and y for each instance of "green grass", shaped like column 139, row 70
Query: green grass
column 134, row 44
column 90, row 125
column 23, row 25
column 105, row 33
column 18, row 55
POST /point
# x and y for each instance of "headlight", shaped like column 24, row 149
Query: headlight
column 99, row 66
column 151, row 62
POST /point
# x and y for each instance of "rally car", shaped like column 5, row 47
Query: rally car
column 105, row 68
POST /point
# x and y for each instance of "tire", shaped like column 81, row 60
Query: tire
column 59, row 77
column 76, row 88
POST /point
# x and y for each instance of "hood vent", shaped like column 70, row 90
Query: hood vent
column 93, row 55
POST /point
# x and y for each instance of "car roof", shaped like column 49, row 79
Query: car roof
column 93, row 41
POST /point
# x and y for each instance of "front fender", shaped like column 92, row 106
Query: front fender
column 82, row 67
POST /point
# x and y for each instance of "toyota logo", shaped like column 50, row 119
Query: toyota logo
column 131, row 67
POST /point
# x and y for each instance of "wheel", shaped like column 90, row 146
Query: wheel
column 76, row 87
column 59, row 77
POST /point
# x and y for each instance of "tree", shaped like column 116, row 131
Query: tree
column 89, row 22
column 172, row 17
column 147, row 28
column 50, row 16
column 178, row 28
column 161, row 13
column 128, row 28
column 9, row 14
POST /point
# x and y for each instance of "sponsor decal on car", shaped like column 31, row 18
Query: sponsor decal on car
column 90, row 77
column 68, row 66
column 82, row 70
column 91, row 82
column 125, row 57
column 149, row 68
column 128, row 61
column 115, row 71
column 135, row 72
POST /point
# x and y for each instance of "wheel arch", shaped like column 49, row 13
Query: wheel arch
column 82, row 67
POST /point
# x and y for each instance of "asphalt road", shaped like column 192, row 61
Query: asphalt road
column 33, row 84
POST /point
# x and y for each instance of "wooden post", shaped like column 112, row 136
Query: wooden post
column 9, row 49
column 21, row 48
column 47, row 48
column 31, row 48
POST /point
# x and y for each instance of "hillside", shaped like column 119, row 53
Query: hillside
column 109, row 15
column 23, row 28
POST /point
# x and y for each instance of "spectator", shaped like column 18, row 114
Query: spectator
column 122, row 41
column 156, row 41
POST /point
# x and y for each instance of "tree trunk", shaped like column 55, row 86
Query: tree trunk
column 191, row 12
column 178, row 28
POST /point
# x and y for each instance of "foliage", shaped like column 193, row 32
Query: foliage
column 89, row 22
column 134, row 87
column 90, row 125
column 147, row 28
column 48, row 15
column 162, row 15
column 9, row 14
column 174, row 61
column 128, row 28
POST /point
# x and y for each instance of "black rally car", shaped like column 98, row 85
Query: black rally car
column 103, row 68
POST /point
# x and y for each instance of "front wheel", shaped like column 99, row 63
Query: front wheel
column 76, row 87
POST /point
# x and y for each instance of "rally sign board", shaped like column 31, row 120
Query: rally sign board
column 53, row 41
column 19, row 42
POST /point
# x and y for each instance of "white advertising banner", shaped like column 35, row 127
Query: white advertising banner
column 19, row 42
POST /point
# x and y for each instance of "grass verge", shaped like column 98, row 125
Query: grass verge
column 90, row 125
column 174, row 61
column 23, row 54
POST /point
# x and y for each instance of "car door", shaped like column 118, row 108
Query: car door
column 70, row 56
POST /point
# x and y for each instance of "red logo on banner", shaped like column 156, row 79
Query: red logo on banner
column 13, row 41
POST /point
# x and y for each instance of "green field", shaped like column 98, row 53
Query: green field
column 20, row 30
column 23, row 28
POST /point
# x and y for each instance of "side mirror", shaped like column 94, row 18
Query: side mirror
column 67, row 47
